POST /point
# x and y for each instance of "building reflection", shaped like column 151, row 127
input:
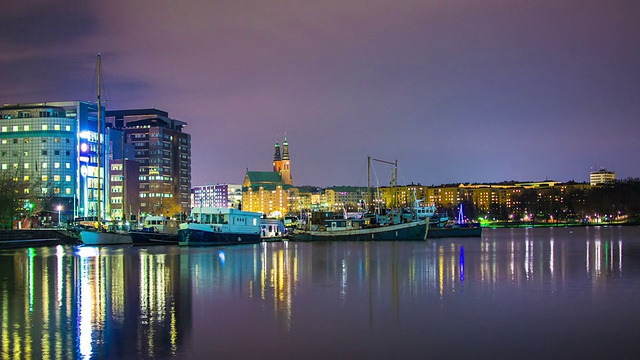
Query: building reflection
column 92, row 302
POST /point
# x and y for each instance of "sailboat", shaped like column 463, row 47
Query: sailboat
column 365, row 228
column 99, row 236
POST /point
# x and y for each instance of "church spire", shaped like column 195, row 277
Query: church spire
column 285, row 148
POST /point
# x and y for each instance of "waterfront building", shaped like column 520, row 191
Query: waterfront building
column 163, row 151
column 52, row 146
column 349, row 198
column 602, row 176
column 268, row 191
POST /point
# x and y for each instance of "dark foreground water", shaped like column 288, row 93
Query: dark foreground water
column 516, row 293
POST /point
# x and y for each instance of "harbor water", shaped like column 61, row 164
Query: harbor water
column 514, row 293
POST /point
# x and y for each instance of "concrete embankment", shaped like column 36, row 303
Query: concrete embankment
column 36, row 237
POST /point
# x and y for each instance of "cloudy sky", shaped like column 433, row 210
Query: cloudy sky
column 456, row 91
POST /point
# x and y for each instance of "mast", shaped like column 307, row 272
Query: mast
column 99, row 133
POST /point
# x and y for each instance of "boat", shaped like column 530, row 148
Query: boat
column 220, row 226
column 97, row 235
column 443, row 227
column 157, row 230
column 271, row 229
column 367, row 227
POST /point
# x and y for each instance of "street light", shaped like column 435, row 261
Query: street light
column 59, row 221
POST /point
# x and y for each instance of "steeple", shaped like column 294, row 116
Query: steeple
column 277, row 159
column 276, row 154
column 285, row 148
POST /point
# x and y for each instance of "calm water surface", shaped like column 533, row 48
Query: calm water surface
column 515, row 293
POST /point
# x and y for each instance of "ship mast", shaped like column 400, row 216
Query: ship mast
column 99, row 140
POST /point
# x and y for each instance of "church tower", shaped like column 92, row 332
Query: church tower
column 277, row 160
column 285, row 169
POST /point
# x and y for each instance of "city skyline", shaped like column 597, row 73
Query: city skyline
column 455, row 91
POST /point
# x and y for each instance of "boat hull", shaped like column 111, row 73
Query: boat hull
column 199, row 237
column 438, row 233
column 104, row 238
column 413, row 231
column 149, row 238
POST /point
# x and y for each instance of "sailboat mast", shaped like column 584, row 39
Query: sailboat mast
column 99, row 132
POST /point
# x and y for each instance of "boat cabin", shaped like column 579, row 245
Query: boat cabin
column 160, row 224
column 227, row 219
column 346, row 224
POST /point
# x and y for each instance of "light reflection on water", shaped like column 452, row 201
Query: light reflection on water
column 508, row 292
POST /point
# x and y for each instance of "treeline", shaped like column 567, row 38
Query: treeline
column 619, row 201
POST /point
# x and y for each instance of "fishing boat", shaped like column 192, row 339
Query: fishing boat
column 98, row 235
column 157, row 230
column 220, row 226
column 399, row 227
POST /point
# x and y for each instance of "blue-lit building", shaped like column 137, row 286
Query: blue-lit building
column 53, row 147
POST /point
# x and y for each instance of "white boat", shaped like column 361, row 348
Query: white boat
column 220, row 226
column 158, row 230
column 271, row 229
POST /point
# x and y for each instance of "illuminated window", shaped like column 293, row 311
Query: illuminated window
column 25, row 128
column 4, row 166
column 56, row 191
column 56, row 165
column 4, row 129
column 56, row 127
column 67, row 128
column 15, row 127
column 45, row 127
column 44, row 165
column 26, row 165
column 67, row 191
column 45, row 178
column 26, row 178
column 4, row 141
column 56, row 177
column 15, row 166
column 67, row 178
column 26, row 140
column 26, row 191
column 68, row 165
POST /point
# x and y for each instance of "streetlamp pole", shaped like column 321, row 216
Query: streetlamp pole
column 59, row 220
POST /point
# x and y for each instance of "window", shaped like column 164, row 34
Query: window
column 26, row 165
column 56, row 152
column 26, row 140
column 67, row 191
column 56, row 127
column 4, row 166
column 44, row 165
column 15, row 127
column 68, row 165
column 67, row 128
column 26, row 178
column 56, row 177
column 15, row 141
column 25, row 128
column 4, row 129
column 45, row 127
column 4, row 141
column 56, row 165
column 45, row 178
column 44, row 152
column 67, row 178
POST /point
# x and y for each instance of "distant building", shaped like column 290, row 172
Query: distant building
column 267, row 191
column 602, row 176
column 163, row 151
column 218, row 195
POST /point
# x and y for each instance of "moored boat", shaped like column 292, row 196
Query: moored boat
column 220, row 226
column 271, row 229
column 157, row 230
column 90, row 237
column 363, row 230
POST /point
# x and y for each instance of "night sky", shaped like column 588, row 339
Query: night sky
column 456, row 91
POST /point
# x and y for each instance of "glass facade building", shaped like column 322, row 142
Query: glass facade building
column 54, row 147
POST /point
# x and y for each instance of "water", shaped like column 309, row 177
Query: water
column 515, row 293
